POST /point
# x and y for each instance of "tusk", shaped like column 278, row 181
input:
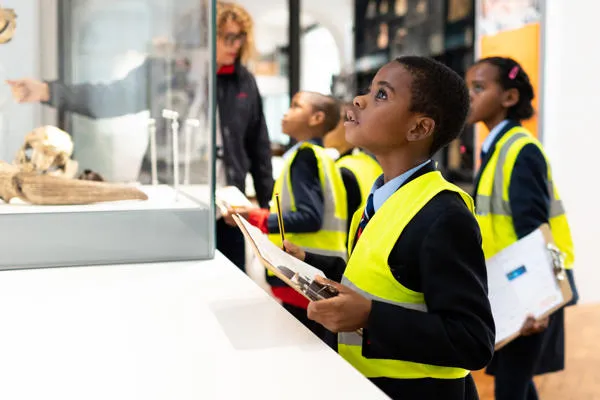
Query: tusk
column 56, row 190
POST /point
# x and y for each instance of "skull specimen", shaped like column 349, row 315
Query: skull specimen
column 43, row 174
column 8, row 24
column 47, row 150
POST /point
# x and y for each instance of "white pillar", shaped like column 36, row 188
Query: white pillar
column 572, row 127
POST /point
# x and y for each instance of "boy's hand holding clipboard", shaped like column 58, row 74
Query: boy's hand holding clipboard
column 290, row 267
column 357, row 307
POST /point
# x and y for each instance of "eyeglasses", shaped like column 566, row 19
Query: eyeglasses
column 231, row 38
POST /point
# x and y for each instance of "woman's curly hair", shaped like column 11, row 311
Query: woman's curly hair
column 234, row 12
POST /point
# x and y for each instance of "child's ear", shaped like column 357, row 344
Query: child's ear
column 422, row 129
column 317, row 118
column 510, row 98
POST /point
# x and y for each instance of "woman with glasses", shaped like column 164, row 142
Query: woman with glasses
column 242, row 139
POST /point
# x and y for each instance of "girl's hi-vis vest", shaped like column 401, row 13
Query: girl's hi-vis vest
column 493, row 207
column 331, row 238
column 364, row 167
column 368, row 273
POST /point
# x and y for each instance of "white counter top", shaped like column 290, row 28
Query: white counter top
column 177, row 331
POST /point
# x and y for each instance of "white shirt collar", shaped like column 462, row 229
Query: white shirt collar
column 487, row 143
column 381, row 192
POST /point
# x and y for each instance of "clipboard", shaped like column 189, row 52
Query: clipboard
column 540, row 249
column 284, row 266
column 230, row 196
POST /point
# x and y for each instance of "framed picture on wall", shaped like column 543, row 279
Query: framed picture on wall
column 502, row 15
column 502, row 24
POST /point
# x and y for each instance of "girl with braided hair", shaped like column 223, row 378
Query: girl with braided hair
column 514, row 195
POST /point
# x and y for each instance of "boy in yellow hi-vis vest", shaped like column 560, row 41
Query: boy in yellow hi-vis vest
column 312, row 194
column 415, row 281
column 515, row 194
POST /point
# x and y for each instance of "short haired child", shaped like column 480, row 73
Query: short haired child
column 311, row 190
column 416, row 281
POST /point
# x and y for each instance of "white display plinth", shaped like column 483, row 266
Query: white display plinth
column 160, row 197
column 165, row 227
column 185, row 331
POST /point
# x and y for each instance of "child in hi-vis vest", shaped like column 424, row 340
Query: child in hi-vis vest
column 312, row 194
column 514, row 195
column 415, row 281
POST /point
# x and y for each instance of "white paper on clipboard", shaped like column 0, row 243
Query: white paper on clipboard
column 231, row 196
column 276, row 256
column 521, row 282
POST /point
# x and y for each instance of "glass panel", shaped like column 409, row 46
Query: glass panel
column 156, row 60
column 137, row 88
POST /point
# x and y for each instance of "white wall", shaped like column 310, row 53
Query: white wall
column 324, row 51
column 338, row 17
column 20, row 58
column 320, row 60
column 271, row 22
column 571, row 127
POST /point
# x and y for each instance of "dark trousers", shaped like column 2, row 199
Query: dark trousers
column 515, row 365
column 428, row 388
column 230, row 242
column 515, row 368
column 504, row 390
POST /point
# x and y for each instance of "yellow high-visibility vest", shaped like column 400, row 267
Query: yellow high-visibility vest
column 331, row 238
column 493, row 207
column 364, row 167
column 368, row 273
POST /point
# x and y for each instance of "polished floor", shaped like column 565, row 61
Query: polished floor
column 581, row 378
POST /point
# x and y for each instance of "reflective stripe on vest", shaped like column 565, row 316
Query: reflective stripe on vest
column 330, row 240
column 368, row 273
column 493, row 206
column 365, row 169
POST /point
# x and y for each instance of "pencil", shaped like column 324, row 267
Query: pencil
column 280, row 220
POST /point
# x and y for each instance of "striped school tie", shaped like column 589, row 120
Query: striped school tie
column 367, row 215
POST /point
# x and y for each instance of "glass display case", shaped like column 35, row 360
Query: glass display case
column 127, row 175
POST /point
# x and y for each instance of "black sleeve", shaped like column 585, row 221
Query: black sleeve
column 528, row 192
column 332, row 267
column 352, row 192
column 258, row 148
column 103, row 100
column 458, row 328
column 308, row 195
